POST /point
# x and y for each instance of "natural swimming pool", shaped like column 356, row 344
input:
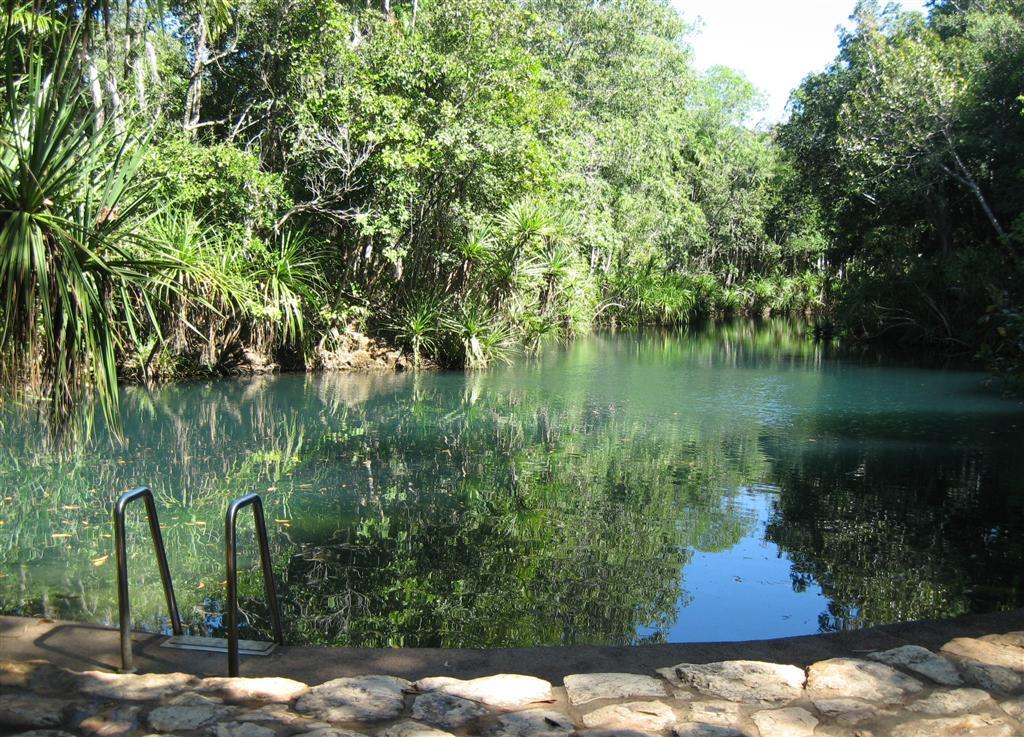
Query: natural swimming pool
column 729, row 482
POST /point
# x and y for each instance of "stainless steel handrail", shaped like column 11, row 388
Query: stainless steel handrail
column 121, row 553
column 231, row 552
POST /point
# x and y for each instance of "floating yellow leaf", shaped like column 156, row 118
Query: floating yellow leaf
column 60, row 535
column 101, row 560
column 70, row 506
column 202, row 585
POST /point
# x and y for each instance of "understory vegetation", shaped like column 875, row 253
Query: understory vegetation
column 185, row 185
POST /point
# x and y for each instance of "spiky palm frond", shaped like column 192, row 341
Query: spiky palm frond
column 69, row 206
column 419, row 324
column 289, row 281
column 478, row 245
column 484, row 337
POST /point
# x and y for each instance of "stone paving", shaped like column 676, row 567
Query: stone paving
column 972, row 686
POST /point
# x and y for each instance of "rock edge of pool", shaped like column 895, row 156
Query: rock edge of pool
column 944, row 677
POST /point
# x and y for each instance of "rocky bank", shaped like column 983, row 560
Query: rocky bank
column 972, row 686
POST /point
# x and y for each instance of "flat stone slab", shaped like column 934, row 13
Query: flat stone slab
column 722, row 713
column 503, row 691
column 1014, row 707
column 28, row 711
column 241, row 729
column 921, row 661
column 790, row 722
column 446, row 711
column 986, row 652
column 191, row 698
column 698, row 729
column 532, row 723
column 119, row 721
column 134, row 687
column 642, row 716
column 974, row 725
column 180, row 718
column 331, row 732
column 993, row 678
column 848, row 712
column 951, row 702
column 279, row 715
column 751, row 681
column 409, row 728
column 359, row 699
column 583, row 688
column 249, row 690
column 860, row 679
column 1009, row 639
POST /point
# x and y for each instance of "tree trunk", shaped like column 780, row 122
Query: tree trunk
column 95, row 89
column 116, row 111
column 940, row 220
column 963, row 175
column 193, row 98
column 140, row 84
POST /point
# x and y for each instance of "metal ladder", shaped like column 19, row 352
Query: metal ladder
column 230, row 520
column 232, row 645
column 121, row 553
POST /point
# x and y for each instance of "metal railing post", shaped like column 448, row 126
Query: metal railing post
column 121, row 554
column 231, row 553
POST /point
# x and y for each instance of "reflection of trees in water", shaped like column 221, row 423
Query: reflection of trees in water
column 553, row 502
column 497, row 518
column 897, row 534
column 416, row 512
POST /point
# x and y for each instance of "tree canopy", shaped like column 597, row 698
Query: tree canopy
column 911, row 143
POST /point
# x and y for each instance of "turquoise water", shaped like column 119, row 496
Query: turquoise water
column 730, row 482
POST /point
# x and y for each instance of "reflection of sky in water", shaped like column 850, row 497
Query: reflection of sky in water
column 604, row 489
column 747, row 585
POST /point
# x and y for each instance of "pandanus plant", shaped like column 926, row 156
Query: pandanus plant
column 69, row 252
column 419, row 324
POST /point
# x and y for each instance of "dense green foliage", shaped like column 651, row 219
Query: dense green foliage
column 192, row 188
column 912, row 143
column 458, row 177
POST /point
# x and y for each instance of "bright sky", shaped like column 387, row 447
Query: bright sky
column 774, row 43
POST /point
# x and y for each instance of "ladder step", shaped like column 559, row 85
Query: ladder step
column 218, row 645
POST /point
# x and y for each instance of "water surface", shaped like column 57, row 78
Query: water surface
column 730, row 482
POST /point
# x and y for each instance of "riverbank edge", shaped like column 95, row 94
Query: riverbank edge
column 81, row 646
column 968, row 685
